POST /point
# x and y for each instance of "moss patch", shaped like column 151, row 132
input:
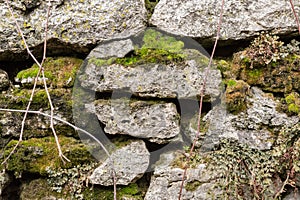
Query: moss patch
column 192, row 186
column 235, row 95
column 36, row 154
column 293, row 103
column 156, row 48
column 59, row 72
column 148, row 55
column 156, row 40
column 150, row 5
column 131, row 191
column 273, row 68
column 59, row 97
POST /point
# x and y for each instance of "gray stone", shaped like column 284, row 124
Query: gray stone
column 166, row 180
column 4, row 181
column 80, row 24
column 4, row 80
column 241, row 19
column 130, row 164
column 251, row 127
column 182, row 80
column 155, row 121
column 292, row 195
column 112, row 49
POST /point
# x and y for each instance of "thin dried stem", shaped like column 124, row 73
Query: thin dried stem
column 41, row 70
column 202, row 92
column 51, row 116
column 283, row 186
column 295, row 14
column 60, row 120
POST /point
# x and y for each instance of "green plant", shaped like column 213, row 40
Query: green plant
column 72, row 181
column 150, row 5
column 264, row 50
column 156, row 40
column 292, row 47
column 243, row 171
column 157, row 48
column 293, row 103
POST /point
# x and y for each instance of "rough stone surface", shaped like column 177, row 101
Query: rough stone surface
column 251, row 127
column 35, row 125
column 154, row 80
column 293, row 195
column 4, row 80
column 241, row 19
column 4, row 181
column 166, row 180
column 130, row 163
column 76, row 23
column 154, row 121
column 112, row 49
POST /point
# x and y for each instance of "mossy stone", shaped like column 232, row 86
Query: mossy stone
column 59, row 72
column 293, row 103
column 235, row 95
column 156, row 48
column 36, row 154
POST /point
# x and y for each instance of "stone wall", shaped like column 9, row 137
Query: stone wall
column 135, row 90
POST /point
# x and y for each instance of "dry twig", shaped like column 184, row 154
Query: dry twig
column 51, row 116
column 41, row 70
column 296, row 16
column 202, row 92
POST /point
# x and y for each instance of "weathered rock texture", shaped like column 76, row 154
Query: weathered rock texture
column 154, row 121
column 76, row 23
column 4, row 81
column 5, row 179
column 130, row 163
column 256, row 126
column 152, row 80
column 166, row 180
column 174, row 80
column 241, row 19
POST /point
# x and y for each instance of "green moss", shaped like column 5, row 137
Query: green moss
column 150, row 5
column 157, row 48
column 156, row 40
column 98, row 193
column 291, row 98
column 255, row 73
column 60, row 72
column 223, row 65
column 40, row 98
column 293, row 108
column 147, row 55
column 32, row 73
column 141, row 56
column 235, row 96
column 36, row 154
column 101, row 62
column 192, row 186
column 231, row 83
column 131, row 190
column 293, row 103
